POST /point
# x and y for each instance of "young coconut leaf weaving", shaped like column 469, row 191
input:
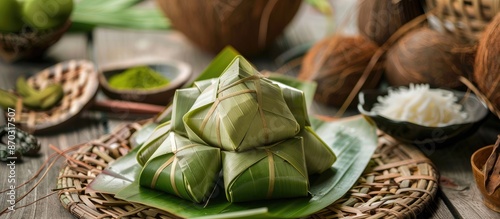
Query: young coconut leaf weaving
column 314, row 147
column 296, row 102
column 261, row 126
column 242, row 110
column 183, row 168
column 276, row 171
column 153, row 142
column 182, row 102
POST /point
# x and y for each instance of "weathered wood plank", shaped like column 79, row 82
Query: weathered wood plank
column 457, row 182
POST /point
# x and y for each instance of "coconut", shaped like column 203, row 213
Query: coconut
column 487, row 63
column 379, row 19
column 427, row 56
column 337, row 64
column 249, row 26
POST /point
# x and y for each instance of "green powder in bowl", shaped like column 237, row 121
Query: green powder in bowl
column 142, row 78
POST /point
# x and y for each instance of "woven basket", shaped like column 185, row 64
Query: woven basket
column 465, row 18
column 29, row 45
column 80, row 85
column 399, row 183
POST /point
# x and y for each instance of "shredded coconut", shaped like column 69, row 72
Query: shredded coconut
column 421, row 105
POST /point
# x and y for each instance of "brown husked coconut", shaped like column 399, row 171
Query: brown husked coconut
column 427, row 56
column 487, row 63
column 336, row 64
column 248, row 26
column 379, row 19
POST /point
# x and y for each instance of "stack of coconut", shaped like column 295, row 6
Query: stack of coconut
column 409, row 41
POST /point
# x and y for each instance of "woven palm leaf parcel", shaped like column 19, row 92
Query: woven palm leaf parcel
column 182, row 167
column 400, row 182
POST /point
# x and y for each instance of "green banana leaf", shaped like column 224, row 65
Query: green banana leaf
column 315, row 147
column 353, row 140
column 154, row 141
column 218, row 64
column 213, row 70
column 183, row 100
column 296, row 102
column 118, row 175
column 182, row 167
column 270, row 172
column 308, row 87
column 240, row 111
column 89, row 14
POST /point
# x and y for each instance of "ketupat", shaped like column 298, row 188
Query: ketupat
column 276, row 171
column 314, row 146
column 290, row 158
column 296, row 102
column 154, row 141
column 242, row 110
column 182, row 102
column 183, row 168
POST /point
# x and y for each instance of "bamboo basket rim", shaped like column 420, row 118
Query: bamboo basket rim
column 400, row 182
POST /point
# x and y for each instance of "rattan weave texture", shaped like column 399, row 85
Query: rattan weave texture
column 464, row 18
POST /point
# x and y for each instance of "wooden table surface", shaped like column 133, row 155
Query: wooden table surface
column 458, row 198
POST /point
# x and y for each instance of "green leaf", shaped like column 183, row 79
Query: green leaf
column 322, row 6
column 235, row 115
column 353, row 140
column 218, row 64
column 89, row 14
column 119, row 174
column 307, row 87
column 213, row 70
column 182, row 167
column 247, row 175
column 131, row 18
column 148, row 148
column 108, row 5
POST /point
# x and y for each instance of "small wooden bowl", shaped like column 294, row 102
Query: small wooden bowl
column 177, row 72
column 29, row 45
column 477, row 160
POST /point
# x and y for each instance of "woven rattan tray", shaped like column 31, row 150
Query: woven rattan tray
column 399, row 182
